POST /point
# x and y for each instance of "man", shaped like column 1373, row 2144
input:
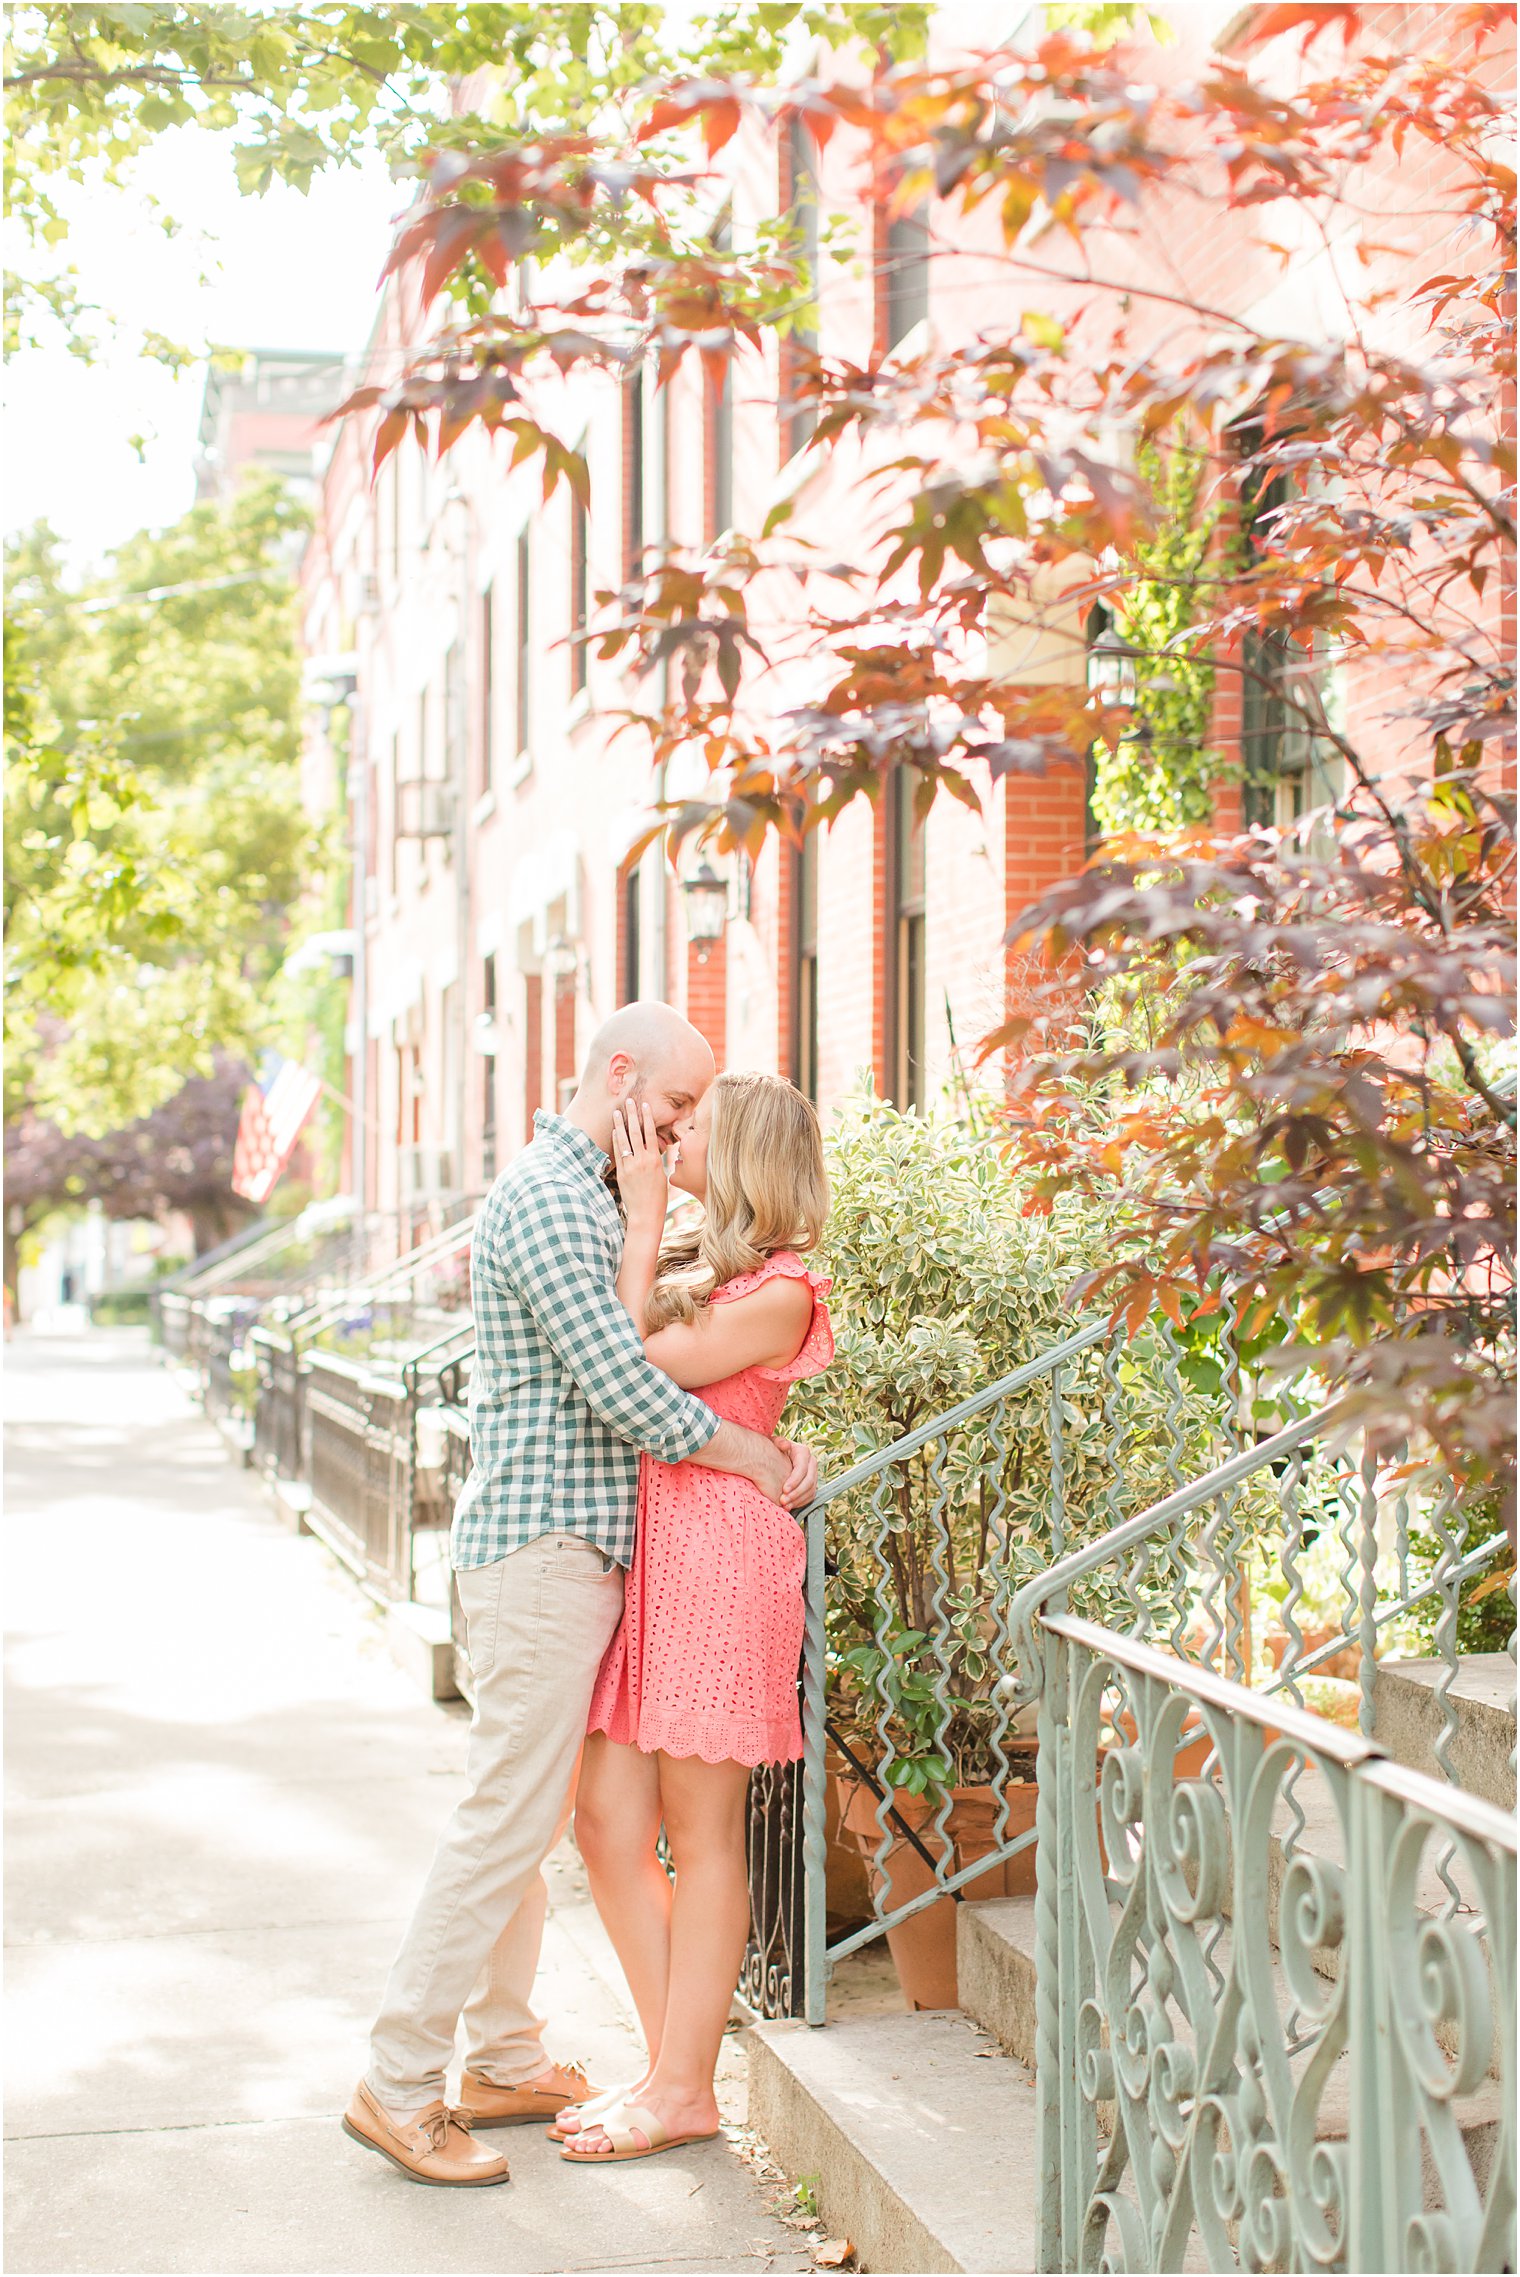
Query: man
column 562, row 1400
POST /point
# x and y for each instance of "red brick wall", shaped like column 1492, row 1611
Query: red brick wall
column 1044, row 818
column 1228, row 709
column 533, row 1049
column 707, row 995
column 564, row 1037
column 881, row 1055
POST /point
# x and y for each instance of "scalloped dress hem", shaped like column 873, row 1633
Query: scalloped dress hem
column 716, row 1739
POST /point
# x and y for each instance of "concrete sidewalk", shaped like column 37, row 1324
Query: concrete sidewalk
column 223, row 1796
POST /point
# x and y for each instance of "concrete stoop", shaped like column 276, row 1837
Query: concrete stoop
column 422, row 1641
column 916, row 2132
column 1410, row 1720
column 994, row 1962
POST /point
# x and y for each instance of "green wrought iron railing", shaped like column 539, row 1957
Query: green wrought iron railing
column 1295, row 1567
column 915, row 1558
column 1274, row 1970
column 1256, row 2050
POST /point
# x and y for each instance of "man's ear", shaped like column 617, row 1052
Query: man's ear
column 621, row 1075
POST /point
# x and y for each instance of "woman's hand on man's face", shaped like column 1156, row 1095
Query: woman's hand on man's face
column 639, row 1163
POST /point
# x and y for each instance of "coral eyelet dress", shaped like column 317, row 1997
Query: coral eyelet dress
column 705, row 1661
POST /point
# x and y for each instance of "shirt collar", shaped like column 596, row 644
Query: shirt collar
column 561, row 1132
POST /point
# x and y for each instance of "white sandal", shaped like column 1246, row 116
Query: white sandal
column 618, row 2122
column 592, row 2108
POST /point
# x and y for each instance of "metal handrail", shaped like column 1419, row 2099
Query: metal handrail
column 326, row 1306
column 184, row 1279
column 818, row 1957
column 272, row 1241
column 1159, row 1516
column 414, row 1364
column 887, row 1458
column 1058, row 1577
column 1351, row 1525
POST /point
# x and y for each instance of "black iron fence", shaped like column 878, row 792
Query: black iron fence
column 356, row 1457
column 455, row 1426
column 169, row 1314
column 770, row 1981
column 221, row 1352
column 278, row 1438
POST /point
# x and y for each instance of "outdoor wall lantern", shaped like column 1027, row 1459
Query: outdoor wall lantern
column 706, row 909
column 1110, row 662
column 562, row 959
column 487, row 1035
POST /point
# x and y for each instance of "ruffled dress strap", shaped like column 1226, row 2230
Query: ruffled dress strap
column 817, row 1347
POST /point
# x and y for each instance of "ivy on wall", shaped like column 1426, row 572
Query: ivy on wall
column 1159, row 776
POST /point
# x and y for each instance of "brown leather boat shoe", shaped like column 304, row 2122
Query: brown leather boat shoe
column 434, row 2147
column 490, row 2106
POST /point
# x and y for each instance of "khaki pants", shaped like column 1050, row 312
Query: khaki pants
column 538, row 1623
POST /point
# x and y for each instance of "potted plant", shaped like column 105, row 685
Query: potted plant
column 944, row 1280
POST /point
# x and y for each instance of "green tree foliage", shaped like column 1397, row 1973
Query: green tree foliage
column 1160, row 772
column 156, row 847
column 303, row 89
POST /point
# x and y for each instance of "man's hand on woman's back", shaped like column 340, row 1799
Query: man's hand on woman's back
column 785, row 1472
column 801, row 1483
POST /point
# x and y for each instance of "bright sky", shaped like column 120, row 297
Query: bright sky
column 281, row 271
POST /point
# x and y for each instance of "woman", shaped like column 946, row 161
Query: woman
column 700, row 1682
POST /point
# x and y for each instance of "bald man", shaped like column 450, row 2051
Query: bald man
column 562, row 1401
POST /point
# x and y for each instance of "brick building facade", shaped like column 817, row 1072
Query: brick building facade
column 493, row 801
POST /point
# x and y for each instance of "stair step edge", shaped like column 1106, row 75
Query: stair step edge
column 890, row 2117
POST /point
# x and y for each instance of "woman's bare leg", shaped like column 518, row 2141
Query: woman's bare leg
column 617, row 1831
column 704, row 1811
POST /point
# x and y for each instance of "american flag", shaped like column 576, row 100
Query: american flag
column 275, row 1110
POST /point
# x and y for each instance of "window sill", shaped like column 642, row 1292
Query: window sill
column 484, row 808
column 520, row 769
column 579, row 708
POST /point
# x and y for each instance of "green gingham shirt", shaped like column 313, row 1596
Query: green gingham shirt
column 561, row 1396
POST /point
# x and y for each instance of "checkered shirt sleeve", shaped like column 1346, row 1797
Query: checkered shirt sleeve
column 556, row 1259
column 561, row 1397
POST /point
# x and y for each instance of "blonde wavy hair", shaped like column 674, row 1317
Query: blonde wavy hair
column 766, row 1190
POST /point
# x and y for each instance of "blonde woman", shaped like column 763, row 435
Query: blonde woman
column 700, row 1682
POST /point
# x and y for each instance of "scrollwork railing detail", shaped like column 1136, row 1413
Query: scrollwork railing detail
column 1228, row 2082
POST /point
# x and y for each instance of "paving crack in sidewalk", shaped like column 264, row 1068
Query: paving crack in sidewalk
column 222, row 1796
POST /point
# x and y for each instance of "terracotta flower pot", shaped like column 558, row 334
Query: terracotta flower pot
column 923, row 1946
column 849, row 1889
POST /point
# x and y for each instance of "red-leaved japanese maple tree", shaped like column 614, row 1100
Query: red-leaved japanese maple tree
column 1276, row 1040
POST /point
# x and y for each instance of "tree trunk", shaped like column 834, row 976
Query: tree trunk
column 212, row 1220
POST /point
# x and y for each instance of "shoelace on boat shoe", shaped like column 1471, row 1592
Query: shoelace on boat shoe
column 440, row 2123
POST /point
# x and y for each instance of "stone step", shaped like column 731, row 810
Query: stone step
column 889, row 2118
column 994, row 1960
column 1409, row 1720
column 995, row 1956
column 916, row 2133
